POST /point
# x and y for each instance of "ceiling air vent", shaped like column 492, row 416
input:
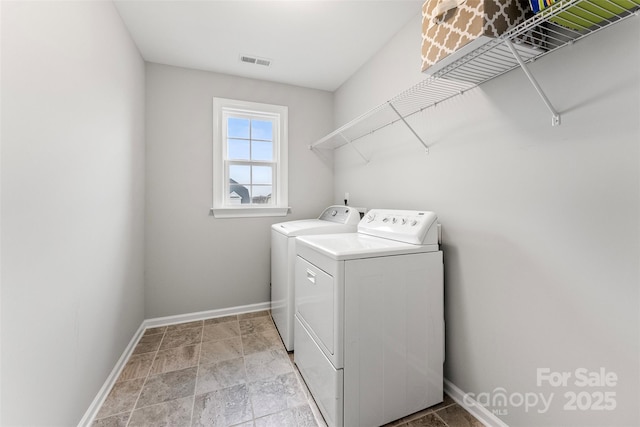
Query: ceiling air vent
column 255, row 60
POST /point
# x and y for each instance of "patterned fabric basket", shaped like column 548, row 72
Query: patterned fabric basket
column 452, row 28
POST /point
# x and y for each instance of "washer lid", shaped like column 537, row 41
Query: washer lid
column 312, row 226
column 334, row 219
column 347, row 246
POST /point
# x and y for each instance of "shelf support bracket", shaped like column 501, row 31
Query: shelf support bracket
column 555, row 119
column 426, row 147
column 355, row 148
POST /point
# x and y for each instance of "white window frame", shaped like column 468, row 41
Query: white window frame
column 223, row 108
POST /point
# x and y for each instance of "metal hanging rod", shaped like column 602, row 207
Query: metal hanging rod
column 426, row 147
column 355, row 148
column 555, row 119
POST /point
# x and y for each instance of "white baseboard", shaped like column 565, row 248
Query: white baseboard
column 200, row 315
column 91, row 413
column 483, row 415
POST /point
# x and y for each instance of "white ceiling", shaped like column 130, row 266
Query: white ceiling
column 311, row 43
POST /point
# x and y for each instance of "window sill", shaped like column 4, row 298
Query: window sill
column 248, row 212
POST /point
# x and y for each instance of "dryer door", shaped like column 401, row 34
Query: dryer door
column 315, row 302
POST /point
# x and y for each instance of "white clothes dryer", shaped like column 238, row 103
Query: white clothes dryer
column 369, row 322
column 334, row 219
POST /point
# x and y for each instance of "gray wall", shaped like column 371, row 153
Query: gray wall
column 72, row 205
column 540, row 224
column 195, row 262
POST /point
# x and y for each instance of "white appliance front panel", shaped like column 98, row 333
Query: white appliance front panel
column 324, row 381
column 318, row 304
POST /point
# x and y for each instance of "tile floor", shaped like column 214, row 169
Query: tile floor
column 227, row 371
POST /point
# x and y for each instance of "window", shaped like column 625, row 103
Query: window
column 249, row 159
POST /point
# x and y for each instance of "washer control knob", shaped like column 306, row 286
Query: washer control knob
column 385, row 219
column 370, row 218
column 414, row 223
column 404, row 221
column 394, row 220
column 334, row 212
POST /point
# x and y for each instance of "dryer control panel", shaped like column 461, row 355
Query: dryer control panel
column 416, row 227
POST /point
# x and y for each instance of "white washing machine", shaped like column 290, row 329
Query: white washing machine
column 369, row 322
column 334, row 219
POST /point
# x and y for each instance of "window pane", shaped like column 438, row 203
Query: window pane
column 261, row 129
column 237, row 128
column 262, row 175
column 261, row 194
column 238, row 149
column 238, row 194
column 240, row 174
column 261, row 150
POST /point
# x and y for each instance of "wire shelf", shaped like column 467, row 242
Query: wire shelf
column 565, row 22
